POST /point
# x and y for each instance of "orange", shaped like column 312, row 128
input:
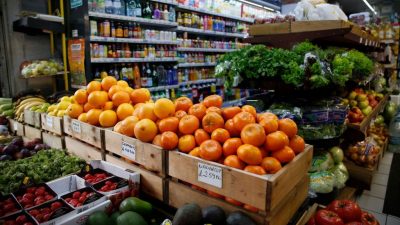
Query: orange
column 197, row 110
column 220, row 135
column 157, row 140
column 242, row 119
column 108, row 118
column 124, row 110
column 186, row 143
column 253, row 134
column 169, row 124
column 200, row 136
column 74, row 110
column 249, row 154
column 180, row 113
column 138, row 105
column 98, row 98
column 122, row 83
column 88, row 107
column 214, row 109
column 210, row 150
column 233, row 201
column 183, row 103
column 120, row 97
column 230, row 112
column 212, row 121
column 129, row 90
column 83, row 117
column 271, row 165
column 195, row 187
column 147, row 112
column 93, row 86
column 231, row 145
column 288, row 126
column 117, row 127
column 188, row 124
column 266, row 115
column 93, row 116
column 251, row 208
column 264, row 152
column 276, row 141
column 114, row 89
column 164, row 108
column 270, row 124
column 80, row 96
column 234, row 161
column 108, row 105
column 250, row 109
column 231, row 128
column 141, row 95
column 285, row 155
column 127, row 126
column 215, row 195
column 195, row 152
column 297, row 144
column 255, row 169
column 107, row 82
column 169, row 140
column 213, row 100
column 145, row 130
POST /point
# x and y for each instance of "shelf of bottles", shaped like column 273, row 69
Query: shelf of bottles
column 183, row 65
column 132, row 40
column 168, row 2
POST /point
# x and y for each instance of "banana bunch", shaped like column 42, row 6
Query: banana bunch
column 6, row 107
column 26, row 102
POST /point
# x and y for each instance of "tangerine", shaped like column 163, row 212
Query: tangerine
column 253, row 134
column 255, row 169
column 297, row 144
column 108, row 82
column 250, row 109
column 164, row 108
column 180, row 113
column 93, row 86
column 220, row 135
column 198, row 110
column 108, row 118
column 88, row 107
column 93, row 116
column 141, row 95
column 200, row 136
column 285, row 155
column 231, row 145
column 128, row 126
column 195, row 152
column 213, row 100
column 210, row 150
column 124, row 110
column 188, row 124
column 234, row 161
column 108, row 105
column 276, row 141
column 214, row 109
column 74, row 110
column 80, row 96
column 249, row 154
column 271, row 165
column 145, row 130
column 242, row 119
column 147, row 112
column 157, row 140
column 270, row 124
column 98, row 98
column 120, row 97
column 183, row 103
column 266, row 115
column 229, row 126
column 186, row 143
column 168, row 124
column 169, row 140
column 230, row 112
column 114, row 89
column 212, row 121
column 122, row 83
column 83, row 117
column 288, row 126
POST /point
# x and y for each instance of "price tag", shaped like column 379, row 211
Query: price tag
column 208, row 174
column 76, row 126
column 128, row 150
column 49, row 121
column 15, row 126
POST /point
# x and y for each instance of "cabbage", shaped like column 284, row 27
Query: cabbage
column 341, row 175
column 322, row 161
column 322, row 182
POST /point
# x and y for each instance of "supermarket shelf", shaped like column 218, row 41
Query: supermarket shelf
column 233, row 102
column 131, row 40
column 209, row 12
column 158, row 23
column 128, row 60
column 209, row 32
column 166, row 2
column 196, row 64
column 205, row 50
column 159, row 88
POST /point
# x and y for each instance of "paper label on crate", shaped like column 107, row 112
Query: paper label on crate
column 76, row 126
column 209, row 174
column 15, row 126
column 49, row 121
column 128, row 150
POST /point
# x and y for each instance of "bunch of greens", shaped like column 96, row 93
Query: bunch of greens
column 42, row 167
column 318, row 78
column 342, row 70
column 363, row 66
column 303, row 48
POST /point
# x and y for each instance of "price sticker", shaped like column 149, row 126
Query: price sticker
column 15, row 126
column 209, row 174
column 76, row 126
column 128, row 150
column 49, row 121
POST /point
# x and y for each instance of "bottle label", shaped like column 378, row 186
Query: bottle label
column 138, row 12
column 149, row 82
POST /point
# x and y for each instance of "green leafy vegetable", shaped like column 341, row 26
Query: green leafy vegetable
column 342, row 70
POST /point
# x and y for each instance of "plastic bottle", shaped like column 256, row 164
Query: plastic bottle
column 394, row 133
column 117, row 7
column 100, row 6
column 130, row 6
column 172, row 14
column 109, row 8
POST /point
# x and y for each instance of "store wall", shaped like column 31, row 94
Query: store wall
column 21, row 47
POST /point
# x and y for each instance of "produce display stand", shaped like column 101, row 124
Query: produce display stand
column 17, row 127
column 52, row 131
column 85, row 132
column 82, row 150
column 32, row 118
column 32, row 132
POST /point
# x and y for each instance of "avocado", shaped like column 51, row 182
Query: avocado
column 135, row 205
column 113, row 218
column 239, row 218
column 98, row 218
column 189, row 214
column 213, row 215
column 130, row 218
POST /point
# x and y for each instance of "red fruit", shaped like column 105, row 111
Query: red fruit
column 354, row 223
column 368, row 219
column 311, row 221
column 348, row 210
column 46, row 217
column 48, row 197
column 39, row 217
column 31, row 190
column 82, row 199
column 39, row 192
column 28, row 223
column 76, row 195
column 25, row 201
column 73, row 202
column 29, row 196
column 87, row 176
column 28, row 206
column 108, row 182
column 34, row 212
column 45, row 210
column 84, row 193
column 9, row 207
column 55, row 205
column 68, row 199
column 325, row 217
column 21, row 219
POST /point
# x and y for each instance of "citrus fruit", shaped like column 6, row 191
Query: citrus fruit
column 195, row 152
column 180, row 113
column 220, row 135
column 271, row 165
column 146, row 111
column 197, row 110
column 253, row 134
column 114, row 89
column 230, row 112
column 183, row 103
column 213, row 100
column 122, row 83
column 124, row 110
column 141, row 95
column 169, row 140
column 265, row 115
column 210, row 150
column 297, row 144
column 80, row 96
column 74, row 110
column 200, row 136
column 250, row 109
column 186, row 143
column 98, row 98
column 214, row 109
column 127, row 126
column 234, row 161
column 93, row 116
column 288, row 126
column 108, row 105
column 164, row 108
column 120, row 97
column 229, row 126
column 108, row 82
column 83, row 117
column 169, row 124
column 242, row 119
column 108, row 118
column 93, row 86
column 276, row 141
column 157, row 140
column 249, row 154
column 188, row 124
column 285, row 155
column 88, row 107
column 255, row 169
column 212, row 121
column 231, row 145
column 270, row 125
column 145, row 130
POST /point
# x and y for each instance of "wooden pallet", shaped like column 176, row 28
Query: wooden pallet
column 150, row 183
column 32, row 132
column 32, row 118
column 85, row 132
column 52, row 140
column 180, row 194
column 52, row 123
column 17, row 127
column 148, row 155
column 263, row 192
column 82, row 150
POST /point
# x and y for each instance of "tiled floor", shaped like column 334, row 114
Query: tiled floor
column 372, row 200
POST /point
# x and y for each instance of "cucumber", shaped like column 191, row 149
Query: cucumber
column 8, row 113
column 5, row 107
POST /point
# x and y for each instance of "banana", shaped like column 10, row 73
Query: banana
column 26, row 105
column 32, row 99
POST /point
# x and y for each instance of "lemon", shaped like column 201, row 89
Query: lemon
column 65, row 99
column 52, row 108
column 52, row 113
column 63, row 105
column 61, row 113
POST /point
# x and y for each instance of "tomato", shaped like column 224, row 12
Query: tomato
column 46, row 217
column 354, row 223
column 348, row 210
column 31, row 190
column 368, row 219
column 55, row 205
column 88, row 176
column 311, row 221
column 326, row 217
column 76, row 195
column 82, row 199
column 34, row 212
column 45, row 210
column 21, row 219
column 28, row 223
column 73, row 202
column 48, row 197
column 39, row 192
column 28, row 196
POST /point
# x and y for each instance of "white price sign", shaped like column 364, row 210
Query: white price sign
column 128, row 150
column 76, row 126
column 209, row 174
column 15, row 126
column 49, row 121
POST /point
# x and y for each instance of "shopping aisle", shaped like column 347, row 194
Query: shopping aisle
column 373, row 200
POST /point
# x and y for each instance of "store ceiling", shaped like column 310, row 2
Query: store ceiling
column 355, row 6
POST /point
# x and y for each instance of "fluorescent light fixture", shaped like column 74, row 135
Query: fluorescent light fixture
column 370, row 7
column 257, row 5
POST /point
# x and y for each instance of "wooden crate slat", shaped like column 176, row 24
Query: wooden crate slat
column 53, row 141
column 17, row 127
column 148, row 155
column 32, row 133
column 82, row 150
column 87, row 133
column 307, row 26
column 32, row 118
column 52, row 123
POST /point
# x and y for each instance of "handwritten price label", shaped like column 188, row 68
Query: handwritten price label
column 49, row 121
column 208, row 174
column 128, row 150
column 15, row 126
column 76, row 126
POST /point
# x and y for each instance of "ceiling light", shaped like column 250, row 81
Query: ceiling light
column 370, row 7
column 257, row 5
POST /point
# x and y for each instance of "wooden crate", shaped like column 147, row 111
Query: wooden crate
column 308, row 214
column 32, row 118
column 82, row 150
column 17, row 127
column 150, row 183
column 32, row 132
column 360, row 177
column 53, row 140
column 148, row 155
column 53, row 124
column 180, row 194
column 271, row 28
column 85, row 132
column 263, row 192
